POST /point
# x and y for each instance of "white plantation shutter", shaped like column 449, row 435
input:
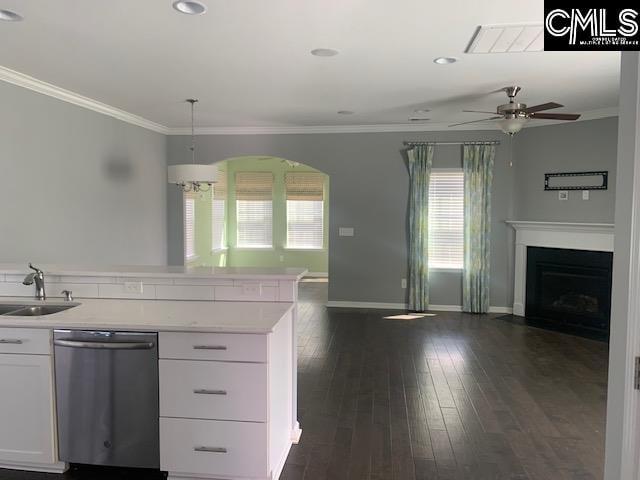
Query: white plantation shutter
column 254, row 209
column 189, row 226
column 219, row 210
column 446, row 218
column 305, row 210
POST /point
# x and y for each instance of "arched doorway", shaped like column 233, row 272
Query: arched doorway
column 263, row 212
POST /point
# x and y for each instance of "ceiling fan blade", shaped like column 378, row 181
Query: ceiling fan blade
column 479, row 111
column 543, row 106
column 556, row 116
column 475, row 121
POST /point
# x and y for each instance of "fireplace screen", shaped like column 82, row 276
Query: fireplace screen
column 569, row 288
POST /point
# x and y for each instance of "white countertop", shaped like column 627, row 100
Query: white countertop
column 141, row 271
column 154, row 315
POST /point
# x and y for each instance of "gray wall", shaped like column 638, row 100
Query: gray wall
column 369, row 189
column 572, row 147
column 78, row 187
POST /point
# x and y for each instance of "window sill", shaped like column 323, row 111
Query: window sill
column 215, row 251
column 257, row 249
column 446, row 269
column 314, row 250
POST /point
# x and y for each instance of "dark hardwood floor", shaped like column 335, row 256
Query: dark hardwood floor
column 449, row 397
column 454, row 396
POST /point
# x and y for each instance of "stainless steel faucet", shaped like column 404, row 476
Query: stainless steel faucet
column 36, row 277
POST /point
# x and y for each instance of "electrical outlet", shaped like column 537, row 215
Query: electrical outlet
column 251, row 289
column 346, row 231
column 585, row 194
column 133, row 287
column 563, row 195
column 403, row 283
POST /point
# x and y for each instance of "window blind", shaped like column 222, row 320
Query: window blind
column 189, row 226
column 446, row 218
column 219, row 210
column 305, row 210
column 254, row 209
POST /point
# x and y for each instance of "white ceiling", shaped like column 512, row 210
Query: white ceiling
column 249, row 64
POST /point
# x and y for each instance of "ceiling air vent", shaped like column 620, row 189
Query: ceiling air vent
column 514, row 38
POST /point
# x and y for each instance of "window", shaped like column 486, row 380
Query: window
column 189, row 226
column 254, row 209
column 219, row 211
column 446, row 218
column 305, row 210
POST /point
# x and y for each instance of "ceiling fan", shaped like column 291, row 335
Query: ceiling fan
column 512, row 116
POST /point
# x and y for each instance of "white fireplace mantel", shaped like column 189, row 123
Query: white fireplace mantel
column 576, row 236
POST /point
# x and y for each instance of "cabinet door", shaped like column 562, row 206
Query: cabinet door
column 26, row 409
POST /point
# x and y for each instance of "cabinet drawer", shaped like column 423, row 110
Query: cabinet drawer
column 213, row 346
column 213, row 390
column 25, row 340
column 213, row 448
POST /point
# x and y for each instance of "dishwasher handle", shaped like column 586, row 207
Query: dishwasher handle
column 105, row 345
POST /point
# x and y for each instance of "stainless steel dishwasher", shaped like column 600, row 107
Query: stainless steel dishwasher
column 107, row 398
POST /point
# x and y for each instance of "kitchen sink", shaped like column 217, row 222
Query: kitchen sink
column 10, row 308
column 33, row 310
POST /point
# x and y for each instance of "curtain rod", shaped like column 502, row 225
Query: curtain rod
column 490, row 142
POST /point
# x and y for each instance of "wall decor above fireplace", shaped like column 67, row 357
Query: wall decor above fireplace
column 576, row 180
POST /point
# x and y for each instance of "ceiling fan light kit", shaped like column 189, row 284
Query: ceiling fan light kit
column 512, row 116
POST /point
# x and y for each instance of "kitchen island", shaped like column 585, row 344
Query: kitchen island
column 243, row 431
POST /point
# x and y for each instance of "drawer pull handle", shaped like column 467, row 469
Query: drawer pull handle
column 209, row 347
column 204, row 391
column 210, row 449
column 11, row 341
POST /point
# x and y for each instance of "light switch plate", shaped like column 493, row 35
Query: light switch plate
column 563, row 195
column 346, row 231
column 585, row 194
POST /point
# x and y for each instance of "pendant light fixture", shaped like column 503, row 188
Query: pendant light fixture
column 193, row 177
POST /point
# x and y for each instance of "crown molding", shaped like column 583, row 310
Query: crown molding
column 378, row 128
column 25, row 81
column 30, row 83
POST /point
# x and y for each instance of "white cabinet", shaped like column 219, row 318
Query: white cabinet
column 226, row 403
column 27, row 416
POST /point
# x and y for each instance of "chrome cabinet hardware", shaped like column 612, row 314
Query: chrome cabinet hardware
column 209, row 347
column 210, row 449
column 204, row 391
column 11, row 341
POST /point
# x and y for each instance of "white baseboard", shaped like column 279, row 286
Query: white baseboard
column 403, row 306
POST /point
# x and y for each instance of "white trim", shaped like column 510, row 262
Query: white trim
column 377, row 128
column 25, row 81
column 316, row 274
column 30, row 83
column 56, row 467
column 403, row 306
column 577, row 236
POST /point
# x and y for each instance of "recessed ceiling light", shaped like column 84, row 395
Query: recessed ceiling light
column 416, row 119
column 9, row 16
column 445, row 60
column 189, row 7
column 345, row 112
column 421, row 111
column 324, row 52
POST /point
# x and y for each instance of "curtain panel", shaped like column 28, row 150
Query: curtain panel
column 478, row 177
column 420, row 161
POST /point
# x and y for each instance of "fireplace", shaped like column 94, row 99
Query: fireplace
column 569, row 290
